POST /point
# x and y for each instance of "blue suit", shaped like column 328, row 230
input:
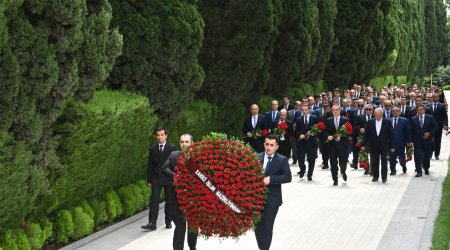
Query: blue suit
column 279, row 172
column 269, row 119
column 306, row 146
column 401, row 137
column 422, row 147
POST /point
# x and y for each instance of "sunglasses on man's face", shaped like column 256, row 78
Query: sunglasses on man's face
column 367, row 109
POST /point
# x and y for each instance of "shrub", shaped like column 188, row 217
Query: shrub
column 87, row 209
column 113, row 205
column 83, row 222
column 36, row 236
column 104, row 144
column 47, row 229
column 145, row 192
column 8, row 241
column 99, row 209
column 64, row 226
column 131, row 199
column 20, row 182
column 22, row 240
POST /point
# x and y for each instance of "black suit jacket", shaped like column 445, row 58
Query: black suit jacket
column 156, row 162
column 290, row 107
column 331, row 130
column 382, row 142
column 260, row 124
column 169, row 167
column 361, row 122
column 301, row 130
column 279, row 172
column 413, row 112
column 439, row 114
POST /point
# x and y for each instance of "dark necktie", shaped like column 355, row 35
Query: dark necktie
column 387, row 114
column 306, row 122
column 161, row 149
column 395, row 122
column 269, row 159
column 435, row 107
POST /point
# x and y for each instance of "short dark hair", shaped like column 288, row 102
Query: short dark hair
column 273, row 137
column 420, row 105
column 160, row 129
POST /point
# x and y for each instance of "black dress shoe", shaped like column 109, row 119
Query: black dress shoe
column 427, row 172
column 149, row 226
column 437, row 157
column 298, row 172
column 335, row 183
column 168, row 225
column 325, row 167
column 370, row 172
column 374, row 180
column 344, row 176
column 302, row 174
column 393, row 173
column 366, row 172
column 309, row 178
column 384, row 180
column 419, row 175
column 294, row 162
column 404, row 169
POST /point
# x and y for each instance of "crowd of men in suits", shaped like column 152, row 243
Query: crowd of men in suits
column 389, row 120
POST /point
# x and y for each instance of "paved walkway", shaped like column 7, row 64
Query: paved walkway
column 358, row 214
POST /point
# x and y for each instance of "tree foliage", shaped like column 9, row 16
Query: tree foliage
column 162, row 39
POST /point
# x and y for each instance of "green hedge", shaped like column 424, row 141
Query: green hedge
column 80, row 220
column 104, row 144
column 20, row 181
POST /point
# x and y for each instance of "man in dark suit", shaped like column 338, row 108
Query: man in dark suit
column 253, row 123
column 286, row 104
column 402, row 138
column 423, row 126
column 337, row 145
column 157, row 180
column 277, row 172
column 419, row 101
column 404, row 109
column 359, row 110
column 360, row 128
column 323, row 147
column 387, row 109
column 379, row 137
column 272, row 116
column 179, row 233
column 285, row 140
column 306, row 145
column 440, row 115
column 292, row 116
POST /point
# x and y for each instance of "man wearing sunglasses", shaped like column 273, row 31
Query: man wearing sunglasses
column 353, row 118
column 402, row 138
column 361, row 124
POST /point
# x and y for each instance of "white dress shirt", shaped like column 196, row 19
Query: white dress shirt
column 266, row 160
column 378, row 126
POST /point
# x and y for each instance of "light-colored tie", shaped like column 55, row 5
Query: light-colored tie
column 336, row 123
column 421, row 121
column 254, row 121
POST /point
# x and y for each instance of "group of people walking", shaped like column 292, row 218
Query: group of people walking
column 385, row 124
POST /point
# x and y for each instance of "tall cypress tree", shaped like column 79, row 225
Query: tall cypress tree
column 162, row 39
column 239, row 37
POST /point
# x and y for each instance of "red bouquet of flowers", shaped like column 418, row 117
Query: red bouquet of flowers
column 343, row 131
column 315, row 129
column 409, row 153
column 280, row 129
column 219, row 186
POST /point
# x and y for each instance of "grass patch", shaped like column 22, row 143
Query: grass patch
column 441, row 235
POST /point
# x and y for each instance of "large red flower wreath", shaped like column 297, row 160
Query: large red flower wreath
column 236, row 173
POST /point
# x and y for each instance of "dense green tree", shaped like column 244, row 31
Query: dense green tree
column 364, row 41
column 236, row 54
column 296, row 46
column 162, row 39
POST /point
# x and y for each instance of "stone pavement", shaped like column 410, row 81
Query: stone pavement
column 358, row 214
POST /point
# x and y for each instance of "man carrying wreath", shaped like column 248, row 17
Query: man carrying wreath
column 186, row 140
column 276, row 172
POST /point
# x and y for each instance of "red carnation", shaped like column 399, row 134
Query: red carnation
column 264, row 132
column 349, row 128
column 321, row 126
